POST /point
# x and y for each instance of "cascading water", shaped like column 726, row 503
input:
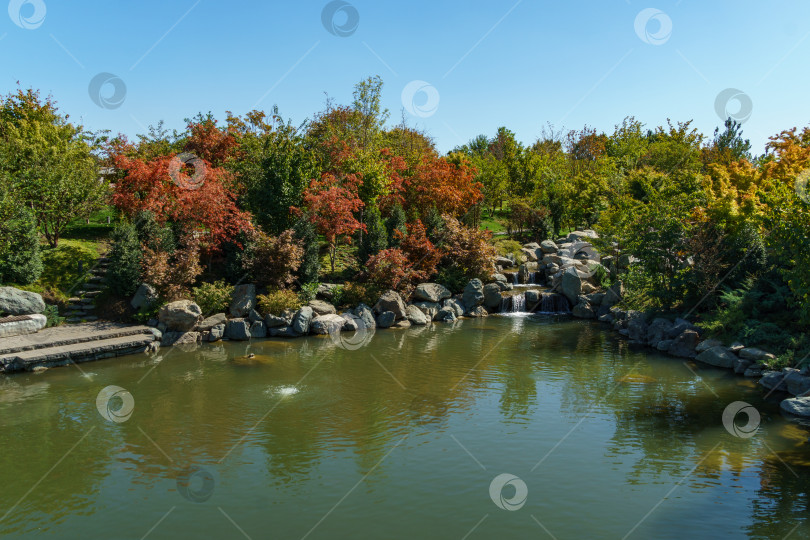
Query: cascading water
column 554, row 303
column 519, row 303
column 514, row 278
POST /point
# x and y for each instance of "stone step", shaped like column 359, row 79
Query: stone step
column 95, row 279
column 69, row 335
column 75, row 353
column 92, row 286
column 86, row 301
column 74, row 300
column 90, row 294
column 81, row 307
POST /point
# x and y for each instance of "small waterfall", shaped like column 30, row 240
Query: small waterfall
column 519, row 303
column 554, row 303
column 514, row 278
column 532, row 278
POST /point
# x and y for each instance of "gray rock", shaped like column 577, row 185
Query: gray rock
column 258, row 329
column 657, row 331
column 161, row 327
column 718, row 356
column 709, row 344
column 170, row 339
column 319, row 307
column 583, row 309
column 614, row 294
column 271, row 321
column 683, row 346
column 329, row 323
column 431, row 292
column 416, row 316
column 504, row 262
column 637, row 326
column 741, row 365
column 456, row 305
column 571, row 285
column 774, row 380
column 238, row 329
column 797, row 384
column 430, row 309
column 301, row 320
column 365, row 316
column 446, row 314
column 386, row 319
column 145, row 297
column 351, row 322
column 477, row 311
column 500, row 278
column 180, row 316
column 679, row 327
column 16, row 302
column 33, row 324
column 217, row 332
column 754, row 370
column 605, row 318
column 254, row 316
column 391, row 301
column 401, row 325
column 525, row 270
column 210, row 322
column 532, row 297
column 664, row 345
column 326, row 290
column 548, row 246
column 243, row 299
column 283, row 332
column 530, row 254
column 473, row 294
column 736, row 347
column 756, row 355
column 492, row 296
column 798, row 406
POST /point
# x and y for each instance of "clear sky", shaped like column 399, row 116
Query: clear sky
column 482, row 64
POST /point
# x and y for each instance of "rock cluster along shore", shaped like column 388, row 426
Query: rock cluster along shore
column 20, row 312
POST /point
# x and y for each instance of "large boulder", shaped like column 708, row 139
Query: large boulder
column 170, row 339
column 31, row 325
column 365, row 317
column 577, row 236
column 756, row 355
column 273, row 321
column 258, row 329
column 473, row 294
column 456, row 305
column 583, row 309
column 238, row 329
column 243, row 299
column 798, row 406
column 386, row 319
column 327, row 290
column 683, row 346
column 637, row 326
column 477, row 312
column 797, row 384
column 430, row 309
column 212, row 321
column 718, row 356
column 492, row 296
column 526, row 270
column 657, row 331
column 145, row 297
column 16, row 302
column 530, row 254
column 548, row 246
column 319, row 307
column 216, row 333
column 432, row 292
column 571, row 285
column 391, row 301
column 679, row 327
column 301, row 320
column 180, row 316
column 417, row 317
column 504, row 262
column 774, row 380
column 329, row 323
column 708, row 344
column 446, row 314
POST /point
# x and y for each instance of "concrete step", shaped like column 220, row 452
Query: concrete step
column 68, row 335
column 75, row 353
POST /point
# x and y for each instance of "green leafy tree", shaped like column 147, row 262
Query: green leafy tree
column 124, row 272
column 376, row 237
column 396, row 222
column 48, row 162
column 20, row 258
column 307, row 236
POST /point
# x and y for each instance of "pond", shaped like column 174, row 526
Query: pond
column 508, row 427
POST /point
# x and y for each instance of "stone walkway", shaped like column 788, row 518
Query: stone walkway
column 75, row 343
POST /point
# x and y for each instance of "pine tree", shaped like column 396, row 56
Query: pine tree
column 124, row 273
column 307, row 237
column 396, row 222
column 376, row 237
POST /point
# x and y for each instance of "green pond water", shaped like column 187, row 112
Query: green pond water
column 406, row 436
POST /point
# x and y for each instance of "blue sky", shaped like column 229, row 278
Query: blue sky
column 519, row 64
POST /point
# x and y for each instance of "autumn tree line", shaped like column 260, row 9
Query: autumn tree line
column 714, row 230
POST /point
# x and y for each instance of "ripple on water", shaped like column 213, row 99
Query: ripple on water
column 282, row 391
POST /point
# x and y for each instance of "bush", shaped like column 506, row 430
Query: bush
column 52, row 316
column 124, row 272
column 275, row 302
column 375, row 238
column 308, row 292
column 20, row 260
column 359, row 293
column 467, row 251
column 396, row 222
column 172, row 274
column 273, row 261
column 213, row 297
column 510, row 247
